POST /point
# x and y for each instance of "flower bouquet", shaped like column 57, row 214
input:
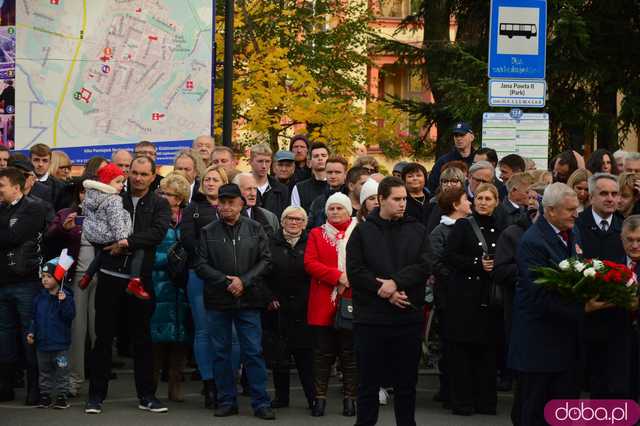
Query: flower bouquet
column 582, row 280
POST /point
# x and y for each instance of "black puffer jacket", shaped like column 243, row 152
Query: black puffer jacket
column 198, row 214
column 241, row 250
column 397, row 250
column 151, row 219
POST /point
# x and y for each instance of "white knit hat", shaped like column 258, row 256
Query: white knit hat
column 338, row 198
column 369, row 188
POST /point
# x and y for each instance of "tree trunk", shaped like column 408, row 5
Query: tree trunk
column 436, row 31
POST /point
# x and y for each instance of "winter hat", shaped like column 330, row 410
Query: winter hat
column 58, row 266
column 369, row 188
column 338, row 198
column 108, row 173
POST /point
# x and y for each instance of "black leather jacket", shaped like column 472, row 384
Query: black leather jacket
column 240, row 250
column 151, row 219
column 21, row 226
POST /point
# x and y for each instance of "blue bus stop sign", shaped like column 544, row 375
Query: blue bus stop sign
column 518, row 39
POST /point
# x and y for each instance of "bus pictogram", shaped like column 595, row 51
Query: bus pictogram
column 518, row 30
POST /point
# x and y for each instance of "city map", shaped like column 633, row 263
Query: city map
column 92, row 75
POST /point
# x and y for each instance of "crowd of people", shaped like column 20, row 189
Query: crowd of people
column 307, row 260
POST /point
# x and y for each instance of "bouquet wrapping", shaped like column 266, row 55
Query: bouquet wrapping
column 582, row 280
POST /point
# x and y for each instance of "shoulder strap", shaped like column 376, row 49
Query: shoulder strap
column 196, row 211
column 479, row 236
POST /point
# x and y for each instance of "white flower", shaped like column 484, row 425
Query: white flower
column 579, row 266
column 589, row 273
column 564, row 265
column 598, row 265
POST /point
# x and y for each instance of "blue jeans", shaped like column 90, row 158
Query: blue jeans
column 16, row 314
column 249, row 329
column 202, row 344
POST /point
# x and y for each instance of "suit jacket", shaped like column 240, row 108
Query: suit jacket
column 507, row 214
column 545, row 335
column 608, row 324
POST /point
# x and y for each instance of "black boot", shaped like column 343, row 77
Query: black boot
column 210, row 394
column 349, row 407
column 33, row 391
column 6, row 382
column 318, row 407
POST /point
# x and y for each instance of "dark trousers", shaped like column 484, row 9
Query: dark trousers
column 534, row 390
column 473, row 376
column 16, row 314
column 395, row 349
column 329, row 343
column 108, row 297
column 303, row 358
column 609, row 367
column 443, row 362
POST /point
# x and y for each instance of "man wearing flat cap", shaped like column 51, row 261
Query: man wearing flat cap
column 462, row 151
column 232, row 259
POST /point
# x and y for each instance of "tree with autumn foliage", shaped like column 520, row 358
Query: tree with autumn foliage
column 300, row 66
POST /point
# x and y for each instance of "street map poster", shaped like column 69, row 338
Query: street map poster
column 93, row 76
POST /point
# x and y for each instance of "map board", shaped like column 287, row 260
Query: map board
column 527, row 137
column 94, row 76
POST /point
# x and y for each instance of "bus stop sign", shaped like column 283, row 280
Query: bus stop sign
column 518, row 39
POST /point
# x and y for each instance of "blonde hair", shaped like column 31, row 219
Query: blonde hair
column 294, row 209
column 626, row 181
column 177, row 183
column 580, row 175
column 218, row 169
column 58, row 159
column 541, row 176
column 260, row 149
column 487, row 187
column 518, row 179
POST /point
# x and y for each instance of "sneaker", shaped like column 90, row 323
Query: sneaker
column 383, row 396
column 44, row 401
column 152, row 404
column 61, row 403
column 93, row 407
column 265, row 413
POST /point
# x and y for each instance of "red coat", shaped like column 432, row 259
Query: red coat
column 321, row 262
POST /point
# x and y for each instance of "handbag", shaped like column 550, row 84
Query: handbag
column 177, row 264
column 344, row 314
column 496, row 293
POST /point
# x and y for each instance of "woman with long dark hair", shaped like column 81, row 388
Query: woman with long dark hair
column 602, row 161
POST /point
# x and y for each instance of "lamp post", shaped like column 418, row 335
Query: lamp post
column 227, row 111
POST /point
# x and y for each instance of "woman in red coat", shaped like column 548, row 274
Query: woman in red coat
column 325, row 261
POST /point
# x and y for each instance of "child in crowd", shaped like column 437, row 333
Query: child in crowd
column 107, row 222
column 53, row 312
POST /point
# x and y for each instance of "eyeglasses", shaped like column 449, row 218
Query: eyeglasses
column 65, row 167
column 147, row 153
column 167, row 194
column 294, row 219
column 371, row 170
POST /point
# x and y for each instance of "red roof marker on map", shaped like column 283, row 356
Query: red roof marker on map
column 153, row 38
